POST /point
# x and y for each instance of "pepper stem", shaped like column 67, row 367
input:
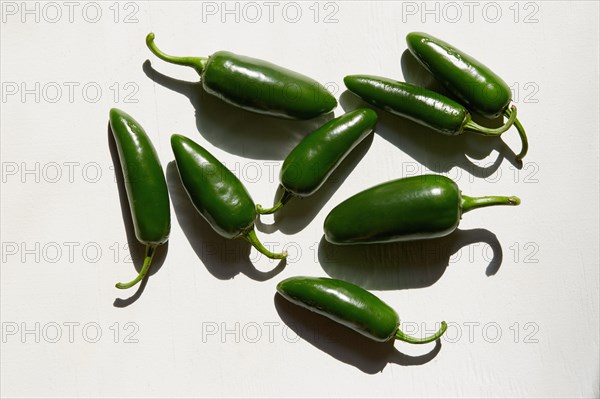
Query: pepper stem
column 486, row 131
column 150, row 250
column 252, row 239
column 400, row 335
column 198, row 63
column 470, row 203
column 267, row 211
column 521, row 130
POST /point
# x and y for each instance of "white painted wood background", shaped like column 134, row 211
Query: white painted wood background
column 518, row 286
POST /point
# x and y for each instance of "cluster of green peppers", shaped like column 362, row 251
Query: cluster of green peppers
column 414, row 208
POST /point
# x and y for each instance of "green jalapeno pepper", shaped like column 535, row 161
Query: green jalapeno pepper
column 256, row 85
column 217, row 193
column 314, row 159
column 413, row 208
column 474, row 84
column 351, row 306
column 418, row 104
column 145, row 185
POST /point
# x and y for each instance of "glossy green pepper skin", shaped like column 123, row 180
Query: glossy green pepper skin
column 313, row 160
column 256, row 85
column 145, row 185
column 217, row 193
column 468, row 79
column 349, row 305
column 413, row 208
column 418, row 104
column 473, row 83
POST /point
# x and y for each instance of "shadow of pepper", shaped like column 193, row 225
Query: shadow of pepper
column 136, row 249
column 344, row 344
column 236, row 130
column 403, row 265
column 416, row 74
column 223, row 258
column 123, row 303
column 299, row 212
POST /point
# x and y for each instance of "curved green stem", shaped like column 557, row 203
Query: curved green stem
column 486, row 131
column 198, row 63
column 524, row 142
column 400, row 335
column 470, row 203
column 284, row 199
column 252, row 239
column 150, row 250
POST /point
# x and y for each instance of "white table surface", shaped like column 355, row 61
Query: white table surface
column 518, row 286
